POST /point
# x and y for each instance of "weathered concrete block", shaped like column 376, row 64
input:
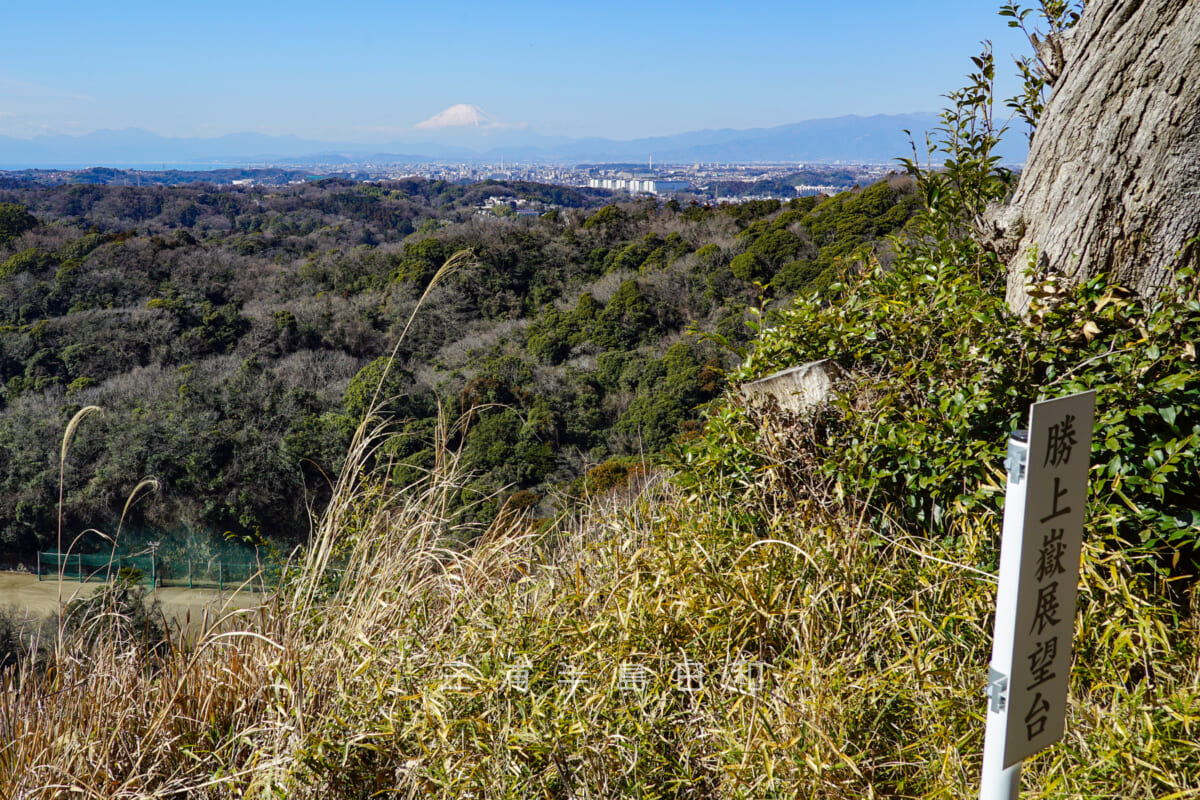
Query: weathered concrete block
column 799, row 389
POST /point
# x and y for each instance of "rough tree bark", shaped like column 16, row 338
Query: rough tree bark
column 1112, row 182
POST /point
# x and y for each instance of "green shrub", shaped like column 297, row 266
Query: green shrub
column 14, row 220
column 32, row 261
column 941, row 372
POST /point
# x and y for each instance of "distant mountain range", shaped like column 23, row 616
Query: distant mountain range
column 460, row 137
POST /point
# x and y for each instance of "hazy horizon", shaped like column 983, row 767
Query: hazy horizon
column 431, row 133
column 371, row 73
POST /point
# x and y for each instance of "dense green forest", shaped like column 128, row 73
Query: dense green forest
column 236, row 336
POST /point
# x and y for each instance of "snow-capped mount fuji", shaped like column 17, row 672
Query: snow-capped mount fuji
column 465, row 131
column 461, row 115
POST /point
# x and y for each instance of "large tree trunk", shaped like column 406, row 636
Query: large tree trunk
column 1112, row 183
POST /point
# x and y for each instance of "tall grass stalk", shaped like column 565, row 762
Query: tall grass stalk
column 68, row 437
column 368, row 436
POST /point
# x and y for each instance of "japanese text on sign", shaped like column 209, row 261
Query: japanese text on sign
column 1060, row 434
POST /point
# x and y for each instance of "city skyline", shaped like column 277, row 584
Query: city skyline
column 372, row 72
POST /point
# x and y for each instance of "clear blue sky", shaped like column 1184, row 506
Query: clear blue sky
column 368, row 70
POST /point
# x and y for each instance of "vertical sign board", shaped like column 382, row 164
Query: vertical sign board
column 1039, row 572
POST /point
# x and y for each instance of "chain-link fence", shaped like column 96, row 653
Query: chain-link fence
column 213, row 573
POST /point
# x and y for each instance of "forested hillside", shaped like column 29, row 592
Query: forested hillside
column 235, row 338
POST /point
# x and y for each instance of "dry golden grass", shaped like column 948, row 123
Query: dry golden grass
column 392, row 677
column 399, row 673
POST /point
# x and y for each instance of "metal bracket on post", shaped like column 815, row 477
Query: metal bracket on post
column 1018, row 456
column 997, row 690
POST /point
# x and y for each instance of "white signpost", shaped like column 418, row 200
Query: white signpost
column 1035, row 604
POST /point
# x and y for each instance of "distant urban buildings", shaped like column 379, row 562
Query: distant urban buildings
column 650, row 185
column 699, row 182
column 514, row 206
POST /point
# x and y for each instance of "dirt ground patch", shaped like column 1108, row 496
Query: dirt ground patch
column 35, row 598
